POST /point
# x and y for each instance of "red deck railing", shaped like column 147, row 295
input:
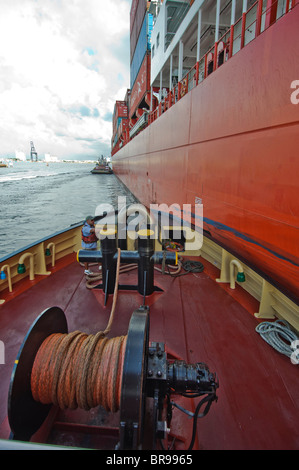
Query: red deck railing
column 228, row 45
column 251, row 24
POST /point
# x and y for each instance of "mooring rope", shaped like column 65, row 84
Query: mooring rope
column 279, row 335
column 92, row 280
column 111, row 318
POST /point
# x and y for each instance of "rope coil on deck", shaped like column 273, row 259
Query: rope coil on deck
column 279, row 335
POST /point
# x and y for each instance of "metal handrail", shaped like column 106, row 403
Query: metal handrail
column 175, row 94
column 176, row 91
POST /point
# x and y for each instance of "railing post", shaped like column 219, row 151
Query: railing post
column 259, row 18
column 179, row 90
column 243, row 30
column 271, row 13
column 169, row 99
column 231, row 41
column 215, row 56
column 206, row 66
column 197, row 73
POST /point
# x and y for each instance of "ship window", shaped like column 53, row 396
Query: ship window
column 158, row 40
column 176, row 12
column 153, row 50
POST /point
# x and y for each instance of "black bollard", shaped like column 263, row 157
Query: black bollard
column 146, row 262
column 108, row 248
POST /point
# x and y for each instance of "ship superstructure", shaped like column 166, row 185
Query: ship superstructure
column 176, row 44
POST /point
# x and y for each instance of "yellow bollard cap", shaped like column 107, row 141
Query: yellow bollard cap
column 145, row 232
column 108, row 231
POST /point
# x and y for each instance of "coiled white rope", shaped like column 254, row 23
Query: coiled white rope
column 273, row 332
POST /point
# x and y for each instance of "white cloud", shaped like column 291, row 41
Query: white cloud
column 59, row 76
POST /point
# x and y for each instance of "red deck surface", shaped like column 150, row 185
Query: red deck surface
column 199, row 321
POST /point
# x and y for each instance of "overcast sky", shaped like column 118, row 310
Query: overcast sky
column 63, row 63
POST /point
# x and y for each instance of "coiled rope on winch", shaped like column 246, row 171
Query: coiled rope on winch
column 77, row 370
column 80, row 370
column 279, row 335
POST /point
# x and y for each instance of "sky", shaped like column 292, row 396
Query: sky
column 63, row 64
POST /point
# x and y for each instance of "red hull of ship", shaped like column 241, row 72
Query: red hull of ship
column 233, row 142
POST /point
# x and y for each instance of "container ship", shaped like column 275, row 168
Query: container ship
column 212, row 117
column 183, row 336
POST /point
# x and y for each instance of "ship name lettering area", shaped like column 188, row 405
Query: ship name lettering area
column 295, row 94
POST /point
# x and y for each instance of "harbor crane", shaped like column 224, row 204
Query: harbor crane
column 33, row 152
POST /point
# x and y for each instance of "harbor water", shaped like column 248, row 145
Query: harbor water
column 39, row 200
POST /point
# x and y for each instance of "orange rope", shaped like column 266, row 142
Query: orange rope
column 79, row 370
column 110, row 321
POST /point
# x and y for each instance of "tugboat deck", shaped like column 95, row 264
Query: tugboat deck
column 199, row 321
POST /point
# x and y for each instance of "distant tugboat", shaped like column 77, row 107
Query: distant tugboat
column 102, row 167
